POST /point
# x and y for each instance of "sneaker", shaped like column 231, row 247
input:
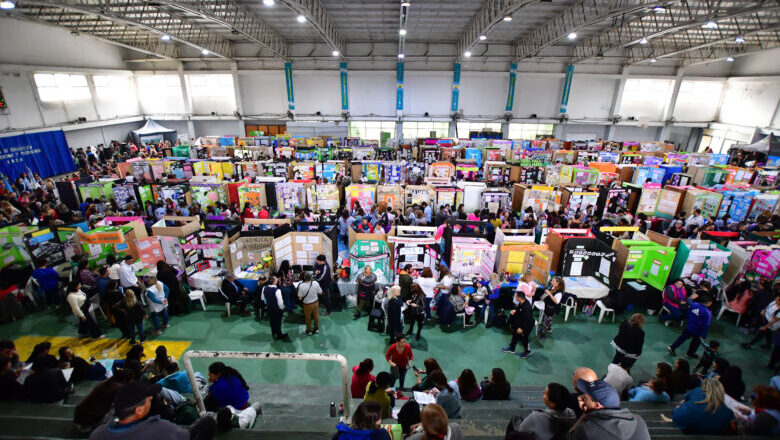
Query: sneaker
column 667, row 323
column 316, row 331
column 692, row 355
column 525, row 354
column 166, row 326
column 671, row 350
column 156, row 332
column 508, row 350
column 308, row 333
column 258, row 408
column 745, row 345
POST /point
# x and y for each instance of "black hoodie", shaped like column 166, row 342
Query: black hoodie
column 610, row 424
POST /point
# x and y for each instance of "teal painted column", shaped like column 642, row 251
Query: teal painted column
column 399, row 94
column 344, row 87
column 567, row 87
column 510, row 96
column 289, row 82
column 455, row 87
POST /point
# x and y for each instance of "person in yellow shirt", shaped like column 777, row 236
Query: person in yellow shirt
column 379, row 391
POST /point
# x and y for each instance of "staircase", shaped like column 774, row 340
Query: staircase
column 301, row 413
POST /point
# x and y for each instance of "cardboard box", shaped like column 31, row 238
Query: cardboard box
column 186, row 226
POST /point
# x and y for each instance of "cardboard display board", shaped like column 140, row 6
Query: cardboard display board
column 365, row 194
column 331, row 170
column 394, row 173
column 150, row 251
column 645, row 174
column 611, row 200
column 370, row 171
column 290, row 195
column 208, row 194
column 538, row 197
column 179, row 193
column 643, row 260
column 495, row 200
column 577, row 199
column 763, row 263
column 324, row 196
column 583, row 257
column 669, row 202
column 442, row 170
column 448, row 196
column 497, row 172
column 680, row 179
column 700, row 259
column 96, row 190
column 472, row 195
column 663, row 240
column 173, row 226
column 44, row 243
column 374, row 253
column 390, row 196
column 466, row 170
column 103, row 241
column 648, row 201
column 707, row 201
column 517, row 259
column 417, row 194
column 736, row 204
column 418, row 251
column 762, row 204
column 69, row 240
column 472, row 257
column 254, row 194
column 556, row 239
column 12, row 248
column 302, row 248
column 124, row 195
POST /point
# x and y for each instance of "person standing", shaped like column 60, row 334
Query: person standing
column 394, row 323
column 630, row 339
column 324, row 278
column 308, row 292
column 48, row 280
column 157, row 294
column 133, row 316
column 521, row 320
column 366, row 289
column 275, row 304
column 696, row 328
column 428, row 285
column 285, row 284
column 399, row 356
column 405, row 282
column 416, row 310
column 552, row 298
column 127, row 276
column 80, row 308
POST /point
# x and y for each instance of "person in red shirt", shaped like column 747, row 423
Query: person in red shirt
column 361, row 377
column 399, row 356
column 247, row 213
column 263, row 213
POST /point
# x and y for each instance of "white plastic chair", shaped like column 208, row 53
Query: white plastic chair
column 197, row 295
column 603, row 310
column 725, row 307
column 227, row 303
column 94, row 305
column 570, row 305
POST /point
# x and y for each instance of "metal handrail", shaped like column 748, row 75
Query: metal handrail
column 327, row 357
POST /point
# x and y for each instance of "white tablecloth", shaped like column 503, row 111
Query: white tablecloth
column 206, row 280
column 586, row 287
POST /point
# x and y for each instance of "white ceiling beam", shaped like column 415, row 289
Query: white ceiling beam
column 235, row 17
column 317, row 14
column 132, row 15
column 578, row 16
column 486, row 19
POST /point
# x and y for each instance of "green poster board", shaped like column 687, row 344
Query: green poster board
column 181, row 151
column 12, row 248
column 700, row 256
column 145, row 195
column 97, row 252
column 374, row 253
column 95, row 190
column 649, row 262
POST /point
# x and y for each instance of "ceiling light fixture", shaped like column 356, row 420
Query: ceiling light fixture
column 643, row 41
column 739, row 40
column 268, row 2
column 467, row 53
column 507, row 18
column 653, row 60
column 166, row 37
column 7, row 4
column 659, row 9
column 482, row 37
column 710, row 25
column 402, row 32
column 335, row 53
column 204, row 51
column 400, row 56
column 573, row 36
column 730, row 59
column 301, row 18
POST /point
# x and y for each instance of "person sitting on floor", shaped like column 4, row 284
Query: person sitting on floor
column 158, row 367
column 228, row 387
column 94, row 409
column 132, row 361
column 10, row 388
column 229, row 417
column 653, row 391
column 379, row 391
column 46, row 383
column 366, row 424
column 497, row 387
column 435, row 424
column 703, row 411
column 361, row 376
column 82, row 370
column 550, row 423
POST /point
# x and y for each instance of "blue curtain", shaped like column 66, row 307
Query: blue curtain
column 46, row 153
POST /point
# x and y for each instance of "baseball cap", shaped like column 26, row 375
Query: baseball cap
column 600, row 391
column 133, row 394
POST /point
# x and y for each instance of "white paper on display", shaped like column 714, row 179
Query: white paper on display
column 605, row 266
column 424, row 398
column 576, row 269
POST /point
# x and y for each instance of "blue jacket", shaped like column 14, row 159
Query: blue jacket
column 47, row 278
column 693, row 418
column 229, row 391
column 177, row 381
column 699, row 318
column 642, row 394
column 347, row 433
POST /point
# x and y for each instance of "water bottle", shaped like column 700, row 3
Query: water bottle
column 333, row 409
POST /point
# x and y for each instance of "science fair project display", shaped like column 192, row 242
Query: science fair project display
column 764, row 262
column 103, row 241
column 736, row 204
column 466, row 170
column 174, row 232
column 390, row 196
column 331, row 170
column 44, row 243
column 612, row 200
column 588, row 257
column 290, row 195
column 669, row 202
column 700, row 260
column 447, row 195
column 645, row 261
column 416, row 195
column 394, row 173
column 762, row 204
column 416, row 172
column 302, row 248
column 418, row 251
column 444, row 170
column 537, row 197
column 373, row 253
column 363, row 194
column 648, row 201
column 556, row 240
column 96, row 190
column 124, row 195
column 497, row 173
column 209, row 194
column 576, row 199
column 707, row 201
column 323, row 197
column 472, row 195
column 67, row 237
column 472, row 257
column 12, row 248
column 496, row 199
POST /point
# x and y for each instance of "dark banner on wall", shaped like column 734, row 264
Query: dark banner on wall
column 46, row 153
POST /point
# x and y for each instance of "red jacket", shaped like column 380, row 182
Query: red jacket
column 359, row 383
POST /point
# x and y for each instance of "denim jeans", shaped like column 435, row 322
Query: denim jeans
column 156, row 321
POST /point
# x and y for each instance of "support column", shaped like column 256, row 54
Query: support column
column 93, row 95
column 288, row 76
column 185, row 94
column 399, row 91
column 239, row 102
column 567, row 88
column 617, row 97
column 454, row 102
column 344, row 88
column 670, row 106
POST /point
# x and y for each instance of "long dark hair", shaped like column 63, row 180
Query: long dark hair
column 366, row 415
column 383, row 380
column 439, row 380
column 225, row 371
column 284, row 267
column 467, row 382
column 161, row 359
column 39, row 349
column 365, row 366
column 499, row 378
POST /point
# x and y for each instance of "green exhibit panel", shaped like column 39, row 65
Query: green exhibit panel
column 373, row 253
column 145, row 195
column 103, row 241
column 713, row 176
column 700, row 258
column 646, row 261
column 96, row 190
column 707, row 201
column 12, row 247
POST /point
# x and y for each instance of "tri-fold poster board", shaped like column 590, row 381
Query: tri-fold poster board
column 471, row 257
column 302, row 248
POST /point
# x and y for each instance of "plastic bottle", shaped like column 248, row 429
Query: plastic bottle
column 333, row 409
column 341, row 408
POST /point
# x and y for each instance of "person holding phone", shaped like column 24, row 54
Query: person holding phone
column 399, row 356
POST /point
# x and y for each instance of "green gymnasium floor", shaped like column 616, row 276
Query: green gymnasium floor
column 581, row 341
